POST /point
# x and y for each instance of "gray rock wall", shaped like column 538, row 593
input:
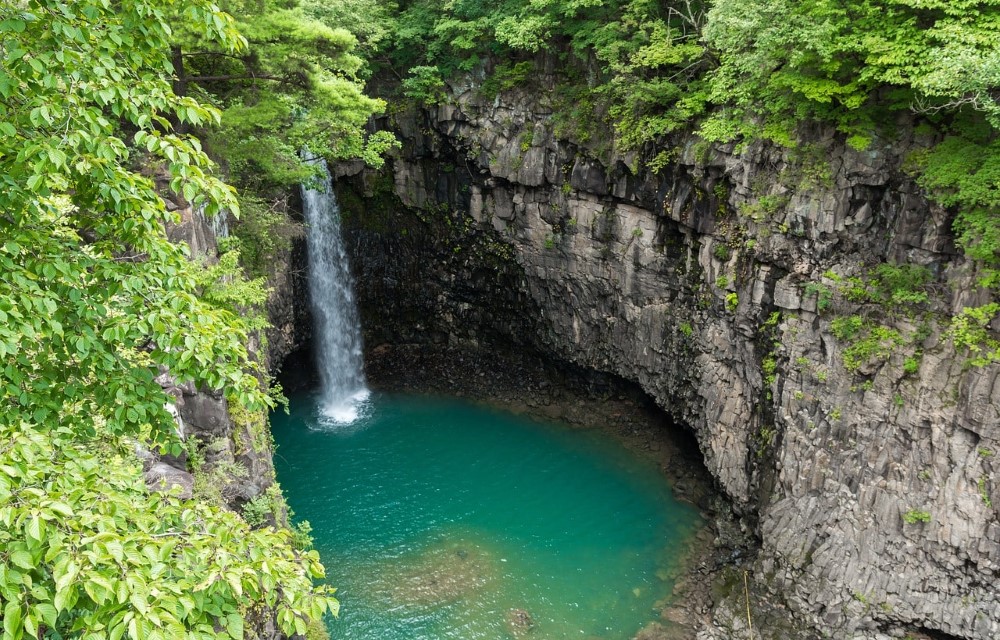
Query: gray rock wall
column 669, row 280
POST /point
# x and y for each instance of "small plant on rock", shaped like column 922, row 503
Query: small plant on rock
column 913, row 516
column 732, row 302
column 984, row 492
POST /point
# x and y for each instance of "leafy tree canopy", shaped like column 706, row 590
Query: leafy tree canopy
column 95, row 300
column 296, row 83
column 94, row 303
column 87, row 552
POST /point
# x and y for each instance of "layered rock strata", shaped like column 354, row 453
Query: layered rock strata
column 709, row 284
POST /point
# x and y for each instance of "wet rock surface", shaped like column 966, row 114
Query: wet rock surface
column 668, row 280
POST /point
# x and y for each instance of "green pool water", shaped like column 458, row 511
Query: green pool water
column 439, row 519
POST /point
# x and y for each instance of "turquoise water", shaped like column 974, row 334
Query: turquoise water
column 437, row 519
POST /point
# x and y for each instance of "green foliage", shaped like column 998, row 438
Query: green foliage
column 214, row 484
column 424, row 85
column 913, row 516
column 823, row 294
column 784, row 61
column 649, row 54
column 258, row 511
column 371, row 21
column 262, row 232
column 87, row 551
column 867, row 342
column 901, row 285
column 295, row 84
column 963, row 171
column 765, row 438
column 508, row 76
column 732, row 302
column 984, row 492
column 577, row 115
column 846, row 328
column 876, row 345
column 764, row 207
column 744, row 70
column 895, row 287
column 224, row 285
column 302, row 535
column 94, row 303
column 769, row 365
column 969, row 331
column 94, row 299
column 528, row 139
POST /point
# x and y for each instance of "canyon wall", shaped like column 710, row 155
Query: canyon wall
column 715, row 284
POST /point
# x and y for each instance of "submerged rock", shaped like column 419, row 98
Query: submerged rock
column 657, row 631
column 440, row 575
column 520, row 623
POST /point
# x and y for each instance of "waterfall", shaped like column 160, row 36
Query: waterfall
column 336, row 328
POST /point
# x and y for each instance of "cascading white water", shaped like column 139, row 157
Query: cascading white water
column 336, row 328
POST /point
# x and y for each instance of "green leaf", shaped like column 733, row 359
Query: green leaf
column 138, row 601
column 12, row 619
column 234, row 582
column 22, row 559
column 61, row 508
column 234, row 626
column 16, row 26
column 34, row 528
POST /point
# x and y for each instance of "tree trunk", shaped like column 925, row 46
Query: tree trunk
column 180, row 80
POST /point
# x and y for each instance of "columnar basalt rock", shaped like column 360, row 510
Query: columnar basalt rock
column 670, row 279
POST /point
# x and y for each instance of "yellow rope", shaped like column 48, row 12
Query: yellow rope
column 746, row 590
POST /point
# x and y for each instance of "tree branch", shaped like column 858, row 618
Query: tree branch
column 213, row 53
column 237, row 77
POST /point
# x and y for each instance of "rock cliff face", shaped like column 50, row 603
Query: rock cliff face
column 709, row 284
